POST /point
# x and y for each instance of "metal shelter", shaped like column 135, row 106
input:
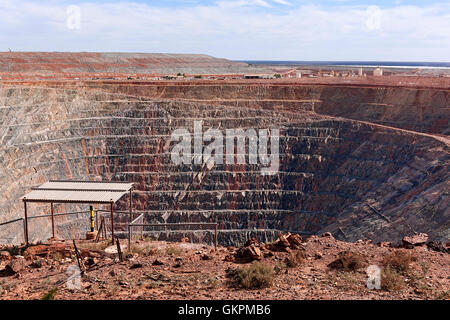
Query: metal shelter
column 77, row 192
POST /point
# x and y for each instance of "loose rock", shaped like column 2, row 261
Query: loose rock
column 416, row 240
column 136, row 265
column 157, row 263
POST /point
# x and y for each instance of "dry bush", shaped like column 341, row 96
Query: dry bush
column 171, row 251
column 14, row 250
column 144, row 250
column 348, row 261
column 391, row 280
column 294, row 259
column 399, row 261
column 258, row 275
column 443, row 295
column 95, row 246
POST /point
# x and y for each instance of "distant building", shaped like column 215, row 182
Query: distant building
column 258, row 76
column 252, row 76
column 378, row 72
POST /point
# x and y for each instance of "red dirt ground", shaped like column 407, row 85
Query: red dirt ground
column 184, row 274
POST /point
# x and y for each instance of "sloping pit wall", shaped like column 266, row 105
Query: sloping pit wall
column 330, row 170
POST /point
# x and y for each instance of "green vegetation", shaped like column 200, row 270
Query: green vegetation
column 50, row 295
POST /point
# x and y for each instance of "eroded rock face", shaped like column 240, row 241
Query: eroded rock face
column 354, row 179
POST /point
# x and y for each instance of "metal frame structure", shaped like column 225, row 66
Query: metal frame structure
column 77, row 192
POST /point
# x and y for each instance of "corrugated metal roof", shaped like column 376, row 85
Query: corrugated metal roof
column 78, row 192
column 86, row 185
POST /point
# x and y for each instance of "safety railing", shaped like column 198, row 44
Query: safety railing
column 121, row 220
column 39, row 227
column 137, row 226
column 11, row 232
column 126, row 224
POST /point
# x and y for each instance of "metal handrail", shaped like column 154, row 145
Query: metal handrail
column 116, row 211
column 139, row 217
column 42, row 216
column 57, row 214
column 11, row 221
column 133, row 224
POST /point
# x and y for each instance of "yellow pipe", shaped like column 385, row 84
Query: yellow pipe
column 92, row 218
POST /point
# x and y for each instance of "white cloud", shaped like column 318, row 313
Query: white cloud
column 239, row 29
column 282, row 2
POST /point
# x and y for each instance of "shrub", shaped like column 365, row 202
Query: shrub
column 173, row 251
column 258, row 275
column 279, row 267
column 348, row 261
column 144, row 250
column 14, row 250
column 95, row 246
column 391, row 280
column 50, row 295
column 398, row 261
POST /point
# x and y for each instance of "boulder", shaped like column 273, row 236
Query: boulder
column 285, row 242
column 228, row 258
column 327, row 235
column 36, row 264
column 39, row 250
column 438, row 246
column 295, row 240
column 157, row 263
column 136, row 265
column 251, row 242
column 91, row 261
column 248, row 254
column 385, row 244
column 15, row 266
column 206, row 257
column 416, row 240
column 5, row 255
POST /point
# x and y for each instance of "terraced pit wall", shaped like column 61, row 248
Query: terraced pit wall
column 353, row 178
column 418, row 109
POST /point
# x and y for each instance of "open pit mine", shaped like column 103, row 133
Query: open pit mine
column 357, row 159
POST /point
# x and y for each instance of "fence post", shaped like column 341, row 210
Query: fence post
column 26, row 222
column 215, row 243
column 112, row 220
column 129, row 237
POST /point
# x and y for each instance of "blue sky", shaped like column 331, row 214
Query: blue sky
column 402, row 30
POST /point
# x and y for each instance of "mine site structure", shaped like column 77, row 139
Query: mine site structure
column 77, row 192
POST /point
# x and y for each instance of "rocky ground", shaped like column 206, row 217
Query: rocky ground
column 315, row 268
